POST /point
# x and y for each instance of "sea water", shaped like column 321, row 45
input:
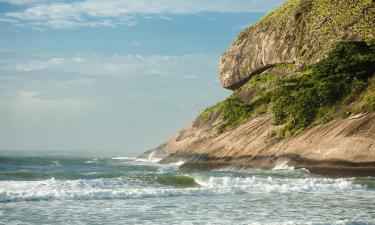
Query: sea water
column 123, row 190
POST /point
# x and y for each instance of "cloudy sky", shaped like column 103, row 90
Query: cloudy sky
column 113, row 77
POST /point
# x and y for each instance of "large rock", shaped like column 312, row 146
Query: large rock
column 299, row 31
column 333, row 141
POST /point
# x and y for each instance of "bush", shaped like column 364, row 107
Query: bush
column 315, row 94
column 342, row 75
column 234, row 113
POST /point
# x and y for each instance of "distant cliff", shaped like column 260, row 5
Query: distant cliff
column 303, row 94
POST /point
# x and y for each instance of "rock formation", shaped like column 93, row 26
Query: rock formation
column 299, row 33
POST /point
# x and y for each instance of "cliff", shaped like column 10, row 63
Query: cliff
column 300, row 32
column 303, row 95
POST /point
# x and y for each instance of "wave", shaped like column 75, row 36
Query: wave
column 150, row 158
column 368, row 182
column 282, row 185
column 304, row 222
column 124, row 158
column 83, row 190
column 283, row 165
column 95, row 160
column 177, row 181
column 41, row 160
column 118, row 188
column 27, row 175
column 56, row 163
column 179, row 163
column 24, row 174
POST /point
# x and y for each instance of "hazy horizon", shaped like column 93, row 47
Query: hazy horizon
column 113, row 78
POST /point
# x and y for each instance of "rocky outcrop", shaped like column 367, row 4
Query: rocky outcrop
column 351, row 140
column 300, row 31
column 341, row 147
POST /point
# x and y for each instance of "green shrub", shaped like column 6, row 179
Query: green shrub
column 341, row 76
column 367, row 103
column 236, row 112
column 318, row 94
column 207, row 113
column 285, row 67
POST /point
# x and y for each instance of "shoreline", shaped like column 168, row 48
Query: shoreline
column 328, row 168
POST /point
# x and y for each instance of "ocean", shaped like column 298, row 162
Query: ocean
column 61, row 189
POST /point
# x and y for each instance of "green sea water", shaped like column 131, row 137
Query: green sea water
column 61, row 189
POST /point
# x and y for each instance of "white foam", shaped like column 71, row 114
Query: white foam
column 118, row 188
column 56, row 163
column 151, row 158
column 85, row 190
column 179, row 163
column 304, row 222
column 257, row 184
column 283, row 165
column 170, row 167
column 92, row 161
column 124, row 158
column 154, row 160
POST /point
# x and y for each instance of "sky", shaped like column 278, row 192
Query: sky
column 114, row 77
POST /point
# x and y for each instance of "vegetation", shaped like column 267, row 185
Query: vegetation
column 285, row 67
column 318, row 24
column 206, row 115
column 367, row 103
column 324, row 15
column 235, row 112
column 320, row 93
column 338, row 79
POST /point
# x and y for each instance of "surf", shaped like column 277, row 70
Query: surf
column 166, row 186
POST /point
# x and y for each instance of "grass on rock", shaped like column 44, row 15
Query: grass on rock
column 322, row 92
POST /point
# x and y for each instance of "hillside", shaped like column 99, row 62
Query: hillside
column 303, row 94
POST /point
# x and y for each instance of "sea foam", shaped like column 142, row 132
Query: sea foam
column 117, row 188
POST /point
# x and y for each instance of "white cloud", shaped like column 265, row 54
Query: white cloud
column 27, row 94
column 64, row 83
column 29, row 101
column 95, row 13
column 34, row 65
column 117, row 65
column 23, row 2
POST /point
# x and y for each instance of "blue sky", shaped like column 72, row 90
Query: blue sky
column 111, row 77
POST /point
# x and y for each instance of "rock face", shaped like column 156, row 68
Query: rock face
column 329, row 142
column 300, row 31
column 260, row 51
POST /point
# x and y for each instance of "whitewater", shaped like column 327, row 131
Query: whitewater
column 125, row 190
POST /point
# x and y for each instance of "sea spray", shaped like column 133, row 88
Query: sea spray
column 282, row 164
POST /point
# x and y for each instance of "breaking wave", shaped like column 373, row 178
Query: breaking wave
column 120, row 188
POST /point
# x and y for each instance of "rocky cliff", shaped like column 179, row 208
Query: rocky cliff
column 301, row 96
column 300, row 31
